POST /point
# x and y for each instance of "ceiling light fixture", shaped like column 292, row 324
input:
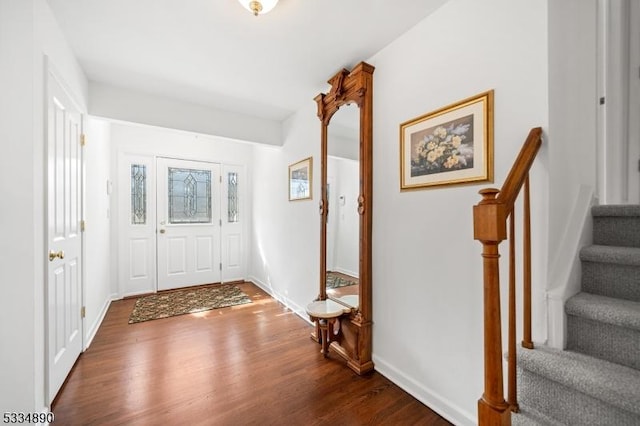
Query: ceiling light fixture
column 258, row 7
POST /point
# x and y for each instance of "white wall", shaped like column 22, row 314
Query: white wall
column 97, row 238
column 149, row 140
column 427, row 269
column 20, row 269
column 572, row 109
column 286, row 234
column 427, row 287
column 127, row 105
column 28, row 31
column 572, row 151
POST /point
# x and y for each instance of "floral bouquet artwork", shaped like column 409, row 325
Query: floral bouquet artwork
column 453, row 145
column 445, row 148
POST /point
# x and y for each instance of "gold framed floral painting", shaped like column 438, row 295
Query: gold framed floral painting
column 452, row 145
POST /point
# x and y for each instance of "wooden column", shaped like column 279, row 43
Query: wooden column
column 490, row 229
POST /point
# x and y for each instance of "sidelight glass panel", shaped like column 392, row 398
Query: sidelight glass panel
column 138, row 194
column 232, row 198
column 189, row 196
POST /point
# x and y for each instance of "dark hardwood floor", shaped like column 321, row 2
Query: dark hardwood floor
column 244, row 365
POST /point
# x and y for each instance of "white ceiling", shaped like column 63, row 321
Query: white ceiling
column 215, row 53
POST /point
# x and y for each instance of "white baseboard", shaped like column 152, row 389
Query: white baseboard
column 440, row 405
column 353, row 274
column 297, row 309
column 91, row 333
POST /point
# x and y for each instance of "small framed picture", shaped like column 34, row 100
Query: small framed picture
column 452, row 145
column 300, row 179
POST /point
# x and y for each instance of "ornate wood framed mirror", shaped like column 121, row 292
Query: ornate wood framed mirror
column 345, row 210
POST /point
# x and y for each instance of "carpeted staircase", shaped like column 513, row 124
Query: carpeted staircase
column 596, row 380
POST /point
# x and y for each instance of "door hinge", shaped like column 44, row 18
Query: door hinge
column 220, row 178
column 83, row 312
column 602, row 100
column 83, row 140
column 639, row 165
column 83, row 225
column 221, row 266
column 220, row 221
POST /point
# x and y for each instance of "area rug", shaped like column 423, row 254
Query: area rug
column 335, row 281
column 188, row 301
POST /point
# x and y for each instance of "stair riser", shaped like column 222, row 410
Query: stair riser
column 567, row 405
column 611, row 280
column 617, row 231
column 531, row 418
column 616, row 344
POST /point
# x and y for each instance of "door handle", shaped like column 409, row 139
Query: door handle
column 53, row 255
column 162, row 231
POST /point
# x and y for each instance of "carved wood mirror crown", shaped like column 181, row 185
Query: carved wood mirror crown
column 348, row 88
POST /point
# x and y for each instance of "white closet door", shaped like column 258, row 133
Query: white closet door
column 64, row 238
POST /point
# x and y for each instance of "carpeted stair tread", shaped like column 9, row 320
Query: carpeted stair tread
column 614, row 384
column 611, row 254
column 615, row 210
column 618, row 312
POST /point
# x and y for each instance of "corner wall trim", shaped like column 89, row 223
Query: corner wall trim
column 437, row 403
column 298, row 310
column 93, row 330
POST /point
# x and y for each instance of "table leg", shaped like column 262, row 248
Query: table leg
column 324, row 335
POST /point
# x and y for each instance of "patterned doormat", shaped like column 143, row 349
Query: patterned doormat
column 188, row 301
column 334, row 280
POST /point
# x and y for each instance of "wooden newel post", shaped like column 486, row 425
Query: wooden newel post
column 489, row 223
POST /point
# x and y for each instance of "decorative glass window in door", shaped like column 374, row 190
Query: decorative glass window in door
column 138, row 194
column 232, row 197
column 189, row 196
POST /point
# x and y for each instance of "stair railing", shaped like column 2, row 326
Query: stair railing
column 490, row 218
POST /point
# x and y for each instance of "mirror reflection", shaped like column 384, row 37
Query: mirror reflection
column 343, row 220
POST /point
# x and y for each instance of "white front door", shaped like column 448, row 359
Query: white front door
column 188, row 216
column 64, row 239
